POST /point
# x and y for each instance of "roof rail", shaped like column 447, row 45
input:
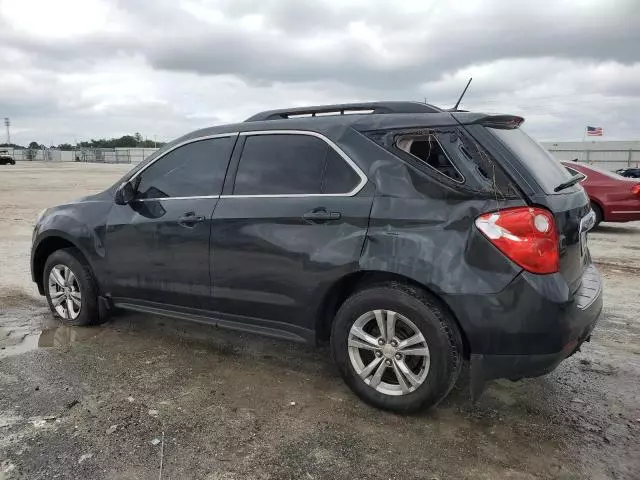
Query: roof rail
column 345, row 109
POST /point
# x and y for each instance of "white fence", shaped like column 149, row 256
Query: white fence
column 607, row 159
column 101, row 155
column 608, row 155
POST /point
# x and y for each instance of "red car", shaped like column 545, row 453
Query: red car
column 614, row 198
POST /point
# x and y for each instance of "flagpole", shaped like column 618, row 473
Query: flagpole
column 584, row 146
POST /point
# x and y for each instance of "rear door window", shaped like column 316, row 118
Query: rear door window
column 292, row 164
column 546, row 170
column 281, row 165
column 339, row 177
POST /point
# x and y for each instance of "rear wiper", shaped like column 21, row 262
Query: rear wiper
column 569, row 183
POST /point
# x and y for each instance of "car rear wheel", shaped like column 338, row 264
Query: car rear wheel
column 70, row 288
column 598, row 211
column 396, row 348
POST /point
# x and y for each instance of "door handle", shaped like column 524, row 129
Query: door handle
column 319, row 215
column 190, row 219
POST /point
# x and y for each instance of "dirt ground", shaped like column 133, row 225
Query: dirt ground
column 145, row 397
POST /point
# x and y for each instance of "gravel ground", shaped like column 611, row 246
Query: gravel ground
column 146, row 397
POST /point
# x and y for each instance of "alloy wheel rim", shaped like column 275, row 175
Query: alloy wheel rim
column 388, row 352
column 64, row 291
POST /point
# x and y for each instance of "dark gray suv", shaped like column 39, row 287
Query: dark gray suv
column 415, row 240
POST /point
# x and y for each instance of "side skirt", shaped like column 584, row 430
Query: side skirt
column 268, row 328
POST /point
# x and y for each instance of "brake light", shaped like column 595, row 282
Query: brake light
column 526, row 235
column 636, row 189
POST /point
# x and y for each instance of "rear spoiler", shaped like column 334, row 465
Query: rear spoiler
column 501, row 121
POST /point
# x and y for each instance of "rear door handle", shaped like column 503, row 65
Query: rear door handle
column 319, row 215
column 190, row 219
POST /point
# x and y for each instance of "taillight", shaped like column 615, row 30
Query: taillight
column 526, row 235
column 636, row 189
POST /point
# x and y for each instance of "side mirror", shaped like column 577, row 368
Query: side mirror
column 125, row 194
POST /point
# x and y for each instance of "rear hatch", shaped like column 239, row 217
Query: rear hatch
column 539, row 175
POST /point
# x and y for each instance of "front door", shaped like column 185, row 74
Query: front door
column 157, row 247
column 295, row 222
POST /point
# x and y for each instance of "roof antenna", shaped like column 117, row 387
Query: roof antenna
column 463, row 92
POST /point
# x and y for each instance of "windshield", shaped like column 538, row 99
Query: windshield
column 548, row 172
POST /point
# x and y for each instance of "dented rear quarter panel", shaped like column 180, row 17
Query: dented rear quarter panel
column 424, row 230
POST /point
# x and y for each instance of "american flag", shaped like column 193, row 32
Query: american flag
column 594, row 131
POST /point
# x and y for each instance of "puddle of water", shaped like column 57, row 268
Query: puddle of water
column 16, row 341
column 62, row 336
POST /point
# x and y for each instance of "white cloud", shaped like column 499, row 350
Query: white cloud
column 76, row 69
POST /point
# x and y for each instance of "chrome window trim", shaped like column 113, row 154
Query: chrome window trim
column 174, row 198
column 336, row 148
column 176, row 146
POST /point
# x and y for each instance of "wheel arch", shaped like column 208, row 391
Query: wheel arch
column 342, row 288
column 44, row 248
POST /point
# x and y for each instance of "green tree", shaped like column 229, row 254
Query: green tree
column 33, row 150
column 126, row 141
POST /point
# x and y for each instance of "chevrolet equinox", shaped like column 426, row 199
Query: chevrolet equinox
column 416, row 240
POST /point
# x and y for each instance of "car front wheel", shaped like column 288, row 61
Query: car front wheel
column 396, row 347
column 70, row 288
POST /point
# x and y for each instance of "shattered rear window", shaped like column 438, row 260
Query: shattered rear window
column 451, row 155
column 427, row 148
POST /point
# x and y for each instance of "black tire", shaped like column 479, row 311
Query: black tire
column 434, row 322
column 598, row 211
column 73, row 259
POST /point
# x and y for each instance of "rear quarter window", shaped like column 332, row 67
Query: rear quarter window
column 451, row 156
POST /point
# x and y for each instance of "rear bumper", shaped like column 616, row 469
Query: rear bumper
column 530, row 327
column 515, row 367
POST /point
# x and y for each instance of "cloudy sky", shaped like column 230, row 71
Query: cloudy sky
column 80, row 69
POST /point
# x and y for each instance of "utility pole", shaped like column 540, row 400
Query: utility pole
column 7, row 123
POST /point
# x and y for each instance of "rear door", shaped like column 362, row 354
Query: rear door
column 541, row 174
column 293, row 221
